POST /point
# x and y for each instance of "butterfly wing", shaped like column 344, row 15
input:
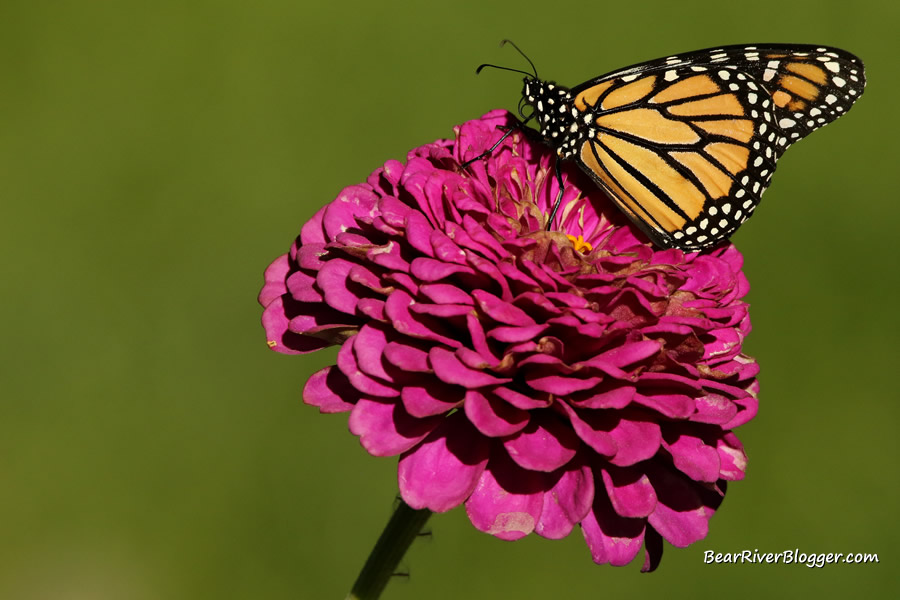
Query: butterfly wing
column 686, row 145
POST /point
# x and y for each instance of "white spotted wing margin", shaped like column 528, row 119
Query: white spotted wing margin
column 744, row 104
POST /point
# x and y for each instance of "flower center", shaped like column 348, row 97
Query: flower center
column 579, row 243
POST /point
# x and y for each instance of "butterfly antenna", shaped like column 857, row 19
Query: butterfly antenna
column 525, row 56
column 480, row 67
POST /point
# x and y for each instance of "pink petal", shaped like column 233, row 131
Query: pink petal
column 617, row 395
column 302, row 287
column 567, row 502
column 353, row 201
column 431, row 399
column 715, row 409
column 500, row 311
column 691, row 455
column 312, row 232
column 683, row 509
column 598, row 439
column 408, row 355
column 276, row 322
column 386, row 429
column 333, row 280
column 673, row 406
column 346, row 362
column 631, row 353
column 507, row 501
column 443, row 293
column 329, row 389
column 629, row 490
column 511, row 335
column 545, row 444
column 610, row 538
column 368, row 347
column 627, row 437
column 446, row 249
column 492, row 416
column 520, row 400
column 275, row 277
column 397, row 309
column 450, row 369
column 431, row 270
column 441, row 472
column 637, row 440
column 731, row 457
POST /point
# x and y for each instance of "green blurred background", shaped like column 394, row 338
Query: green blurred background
column 156, row 156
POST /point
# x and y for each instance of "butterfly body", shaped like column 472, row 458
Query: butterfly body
column 686, row 145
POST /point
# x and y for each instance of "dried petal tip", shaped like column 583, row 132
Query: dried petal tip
column 545, row 377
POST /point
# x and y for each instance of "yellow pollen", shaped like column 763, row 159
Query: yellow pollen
column 271, row 343
column 579, row 243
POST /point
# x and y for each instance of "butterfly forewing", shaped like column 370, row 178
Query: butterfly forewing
column 687, row 144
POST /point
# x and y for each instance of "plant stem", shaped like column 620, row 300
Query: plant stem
column 400, row 532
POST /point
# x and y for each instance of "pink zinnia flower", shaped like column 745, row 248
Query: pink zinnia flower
column 545, row 378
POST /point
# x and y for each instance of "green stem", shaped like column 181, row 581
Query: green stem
column 400, row 532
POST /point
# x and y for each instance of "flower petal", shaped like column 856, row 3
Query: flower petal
column 683, row 511
column 629, row 490
column 508, row 500
column 386, row 429
column 545, row 444
column 441, row 472
column 567, row 502
column 610, row 538
column 329, row 389
column 492, row 416
column 450, row 369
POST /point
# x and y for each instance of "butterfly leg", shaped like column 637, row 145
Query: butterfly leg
column 489, row 151
column 559, row 195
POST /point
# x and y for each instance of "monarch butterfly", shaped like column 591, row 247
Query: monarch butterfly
column 686, row 145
